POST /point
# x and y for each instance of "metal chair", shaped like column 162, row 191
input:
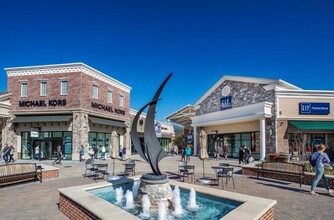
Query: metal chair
column 102, row 170
column 89, row 167
column 190, row 172
column 130, row 168
column 181, row 169
column 227, row 174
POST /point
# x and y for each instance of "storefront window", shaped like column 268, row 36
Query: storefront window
column 45, row 145
column 99, row 140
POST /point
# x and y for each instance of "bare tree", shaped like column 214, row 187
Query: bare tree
column 300, row 144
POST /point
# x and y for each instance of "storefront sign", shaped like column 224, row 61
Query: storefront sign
column 108, row 108
column 314, row 108
column 43, row 103
column 34, row 134
column 226, row 103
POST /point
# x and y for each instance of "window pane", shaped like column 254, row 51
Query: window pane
column 24, row 89
column 121, row 101
column 43, row 88
column 95, row 91
column 109, row 96
column 64, row 88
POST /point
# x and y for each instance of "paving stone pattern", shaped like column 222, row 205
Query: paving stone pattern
column 34, row 200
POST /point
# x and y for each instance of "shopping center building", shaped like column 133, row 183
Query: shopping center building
column 267, row 115
column 65, row 104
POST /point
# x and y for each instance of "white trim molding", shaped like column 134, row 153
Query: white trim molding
column 66, row 68
column 235, row 115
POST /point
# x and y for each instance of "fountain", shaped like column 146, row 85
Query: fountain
column 146, row 204
column 192, row 205
column 178, row 210
column 135, row 189
column 162, row 213
column 155, row 184
column 152, row 195
column 129, row 200
column 119, row 195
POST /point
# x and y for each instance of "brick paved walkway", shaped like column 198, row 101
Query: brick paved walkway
column 36, row 200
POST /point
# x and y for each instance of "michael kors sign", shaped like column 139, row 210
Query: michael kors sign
column 43, row 103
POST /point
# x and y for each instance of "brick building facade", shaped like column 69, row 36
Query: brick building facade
column 68, row 105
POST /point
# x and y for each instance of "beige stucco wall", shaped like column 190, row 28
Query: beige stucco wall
column 234, row 128
column 289, row 108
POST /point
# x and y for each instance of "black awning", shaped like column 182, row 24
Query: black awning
column 42, row 118
column 103, row 121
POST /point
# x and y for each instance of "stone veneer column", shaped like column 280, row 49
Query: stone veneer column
column 262, row 139
column 195, row 141
column 79, row 133
column 282, row 140
column 9, row 136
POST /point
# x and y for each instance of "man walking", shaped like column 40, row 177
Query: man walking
column 59, row 155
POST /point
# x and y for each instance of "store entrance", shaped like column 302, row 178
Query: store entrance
column 45, row 149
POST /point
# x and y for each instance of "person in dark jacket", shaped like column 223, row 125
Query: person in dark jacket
column 241, row 155
column 59, row 155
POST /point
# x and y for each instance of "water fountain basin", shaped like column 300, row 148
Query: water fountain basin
column 83, row 201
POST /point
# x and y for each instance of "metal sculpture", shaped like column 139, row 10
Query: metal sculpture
column 151, row 151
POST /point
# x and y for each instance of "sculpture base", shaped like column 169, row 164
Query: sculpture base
column 157, row 188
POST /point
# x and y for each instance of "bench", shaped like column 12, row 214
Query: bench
column 289, row 169
column 19, row 172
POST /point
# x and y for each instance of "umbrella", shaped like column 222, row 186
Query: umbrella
column 203, row 154
column 113, row 155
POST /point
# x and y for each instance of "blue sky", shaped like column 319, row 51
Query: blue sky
column 140, row 42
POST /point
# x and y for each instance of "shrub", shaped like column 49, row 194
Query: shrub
column 328, row 169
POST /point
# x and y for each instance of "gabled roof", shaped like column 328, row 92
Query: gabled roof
column 267, row 81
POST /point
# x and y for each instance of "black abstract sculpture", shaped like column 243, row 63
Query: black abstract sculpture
column 151, row 151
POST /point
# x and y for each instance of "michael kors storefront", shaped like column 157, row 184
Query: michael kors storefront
column 68, row 105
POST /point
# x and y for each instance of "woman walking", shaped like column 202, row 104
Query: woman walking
column 321, row 158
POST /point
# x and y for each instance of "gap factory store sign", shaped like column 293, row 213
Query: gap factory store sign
column 314, row 108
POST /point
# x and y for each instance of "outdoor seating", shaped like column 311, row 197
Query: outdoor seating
column 181, row 169
column 130, row 169
column 19, row 172
column 227, row 174
column 90, row 168
column 290, row 169
column 186, row 171
column 102, row 170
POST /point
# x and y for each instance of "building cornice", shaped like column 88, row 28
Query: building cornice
column 235, row 115
column 67, row 68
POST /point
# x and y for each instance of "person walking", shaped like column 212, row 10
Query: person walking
column 183, row 154
column 225, row 151
column 123, row 153
column 241, row 155
column 188, row 153
column 36, row 156
column 95, row 151
column 6, row 152
column 103, row 152
column 59, row 155
column 11, row 154
column 321, row 159
column 82, row 153
column 247, row 154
